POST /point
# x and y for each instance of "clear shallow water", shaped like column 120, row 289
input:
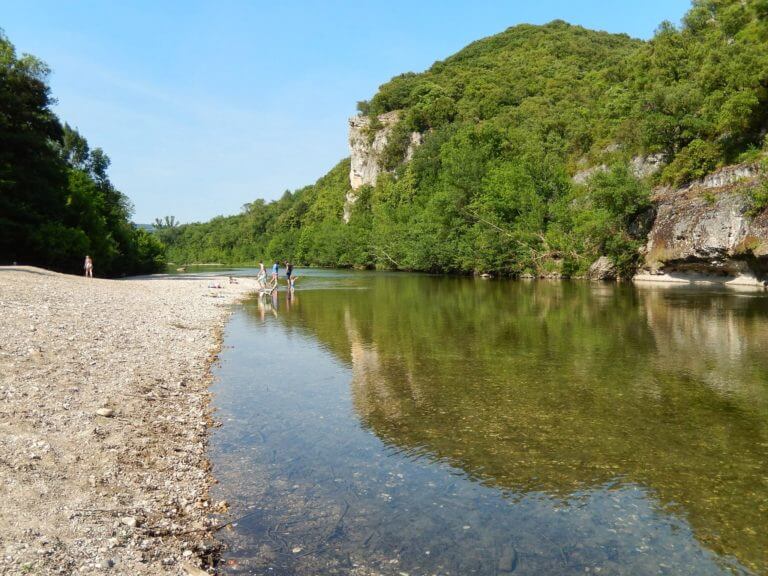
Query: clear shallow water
column 391, row 423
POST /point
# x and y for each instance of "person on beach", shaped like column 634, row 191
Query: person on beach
column 288, row 271
column 88, row 266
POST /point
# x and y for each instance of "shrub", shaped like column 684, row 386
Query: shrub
column 758, row 197
column 694, row 161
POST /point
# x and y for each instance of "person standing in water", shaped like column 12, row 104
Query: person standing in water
column 275, row 270
column 88, row 266
column 261, row 277
column 288, row 271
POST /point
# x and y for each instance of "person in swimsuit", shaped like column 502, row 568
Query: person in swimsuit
column 288, row 271
column 88, row 266
column 261, row 277
column 275, row 270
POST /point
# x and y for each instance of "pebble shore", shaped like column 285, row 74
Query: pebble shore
column 104, row 416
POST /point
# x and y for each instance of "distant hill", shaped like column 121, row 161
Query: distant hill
column 473, row 160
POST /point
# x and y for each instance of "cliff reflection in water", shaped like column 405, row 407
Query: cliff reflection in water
column 564, row 387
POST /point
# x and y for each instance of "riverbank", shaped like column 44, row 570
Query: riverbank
column 104, row 418
column 745, row 281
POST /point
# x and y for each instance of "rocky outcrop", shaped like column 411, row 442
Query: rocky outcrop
column 583, row 176
column 417, row 138
column 602, row 269
column 366, row 145
column 644, row 166
column 349, row 201
column 704, row 231
column 641, row 167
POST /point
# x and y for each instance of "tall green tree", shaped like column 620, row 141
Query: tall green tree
column 33, row 181
column 56, row 200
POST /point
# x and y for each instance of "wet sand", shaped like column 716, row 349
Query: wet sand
column 103, row 421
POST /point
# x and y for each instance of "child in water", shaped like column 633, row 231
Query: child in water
column 261, row 278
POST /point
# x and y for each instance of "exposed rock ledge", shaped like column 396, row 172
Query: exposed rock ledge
column 366, row 149
column 640, row 166
column 703, row 232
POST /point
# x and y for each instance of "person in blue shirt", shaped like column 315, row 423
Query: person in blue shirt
column 275, row 270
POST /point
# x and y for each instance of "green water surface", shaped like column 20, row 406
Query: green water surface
column 409, row 424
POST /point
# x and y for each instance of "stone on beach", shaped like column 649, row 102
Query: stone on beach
column 602, row 269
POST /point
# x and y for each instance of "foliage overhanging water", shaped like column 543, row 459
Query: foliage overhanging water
column 391, row 423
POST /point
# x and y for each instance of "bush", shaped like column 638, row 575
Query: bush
column 397, row 145
column 150, row 252
column 758, row 197
column 694, row 161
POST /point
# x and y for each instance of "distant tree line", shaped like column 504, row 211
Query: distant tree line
column 56, row 201
column 506, row 123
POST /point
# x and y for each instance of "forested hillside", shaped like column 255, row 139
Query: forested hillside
column 506, row 123
column 56, row 201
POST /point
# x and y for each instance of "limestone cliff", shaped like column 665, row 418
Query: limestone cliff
column 366, row 145
column 705, row 232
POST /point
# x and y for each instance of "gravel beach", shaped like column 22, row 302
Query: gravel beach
column 103, row 421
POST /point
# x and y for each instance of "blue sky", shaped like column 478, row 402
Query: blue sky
column 204, row 106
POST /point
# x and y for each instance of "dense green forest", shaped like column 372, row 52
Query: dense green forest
column 506, row 122
column 56, row 201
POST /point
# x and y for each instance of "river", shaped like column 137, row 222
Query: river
column 399, row 424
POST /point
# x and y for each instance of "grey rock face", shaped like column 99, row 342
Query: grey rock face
column 706, row 227
column 727, row 176
column 644, row 166
column 641, row 167
column 366, row 149
column 602, row 269
column 641, row 224
column 582, row 176
column 417, row 138
column 349, row 200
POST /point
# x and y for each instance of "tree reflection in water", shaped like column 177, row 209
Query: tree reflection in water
column 643, row 412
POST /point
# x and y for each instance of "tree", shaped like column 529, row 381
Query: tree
column 167, row 222
column 32, row 179
column 56, row 200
